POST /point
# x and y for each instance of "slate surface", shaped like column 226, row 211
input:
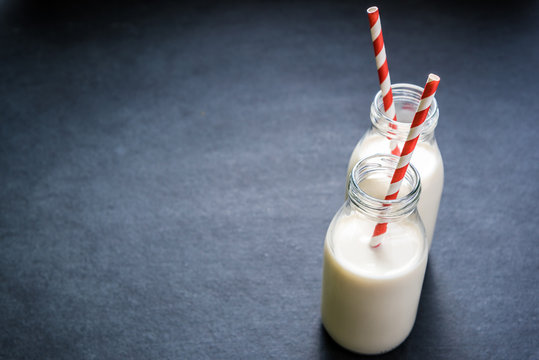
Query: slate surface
column 168, row 172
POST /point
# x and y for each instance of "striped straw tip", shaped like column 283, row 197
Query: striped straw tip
column 372, row 9
column 433, row 77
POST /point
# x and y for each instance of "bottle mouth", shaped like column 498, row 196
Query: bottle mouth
column 382, row 166
column 406, row 98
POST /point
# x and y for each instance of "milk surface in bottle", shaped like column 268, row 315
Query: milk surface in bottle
column 427, row 159
column 370, row 295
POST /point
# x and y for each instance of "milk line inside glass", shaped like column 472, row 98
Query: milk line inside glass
column 370, row 296
column 426, row 157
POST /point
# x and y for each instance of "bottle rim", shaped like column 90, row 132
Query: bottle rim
column 381, row 209
column 403, row 92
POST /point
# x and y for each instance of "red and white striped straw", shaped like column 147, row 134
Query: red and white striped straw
column 383, row 70
column 407, row 151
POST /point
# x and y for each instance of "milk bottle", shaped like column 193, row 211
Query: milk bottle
column 384, row 132
column 370, row 295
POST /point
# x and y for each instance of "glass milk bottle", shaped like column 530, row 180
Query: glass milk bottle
column 370, row 295
column 385, row 133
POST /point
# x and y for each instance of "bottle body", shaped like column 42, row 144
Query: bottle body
column 370, row 295
column 385, row 133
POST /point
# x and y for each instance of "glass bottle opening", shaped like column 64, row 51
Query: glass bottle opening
column 379, row 168
column 406, row 99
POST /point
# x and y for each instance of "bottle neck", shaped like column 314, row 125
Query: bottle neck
column 406, row 98
column 374, row 173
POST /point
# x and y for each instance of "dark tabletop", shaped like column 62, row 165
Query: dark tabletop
column 168, row 172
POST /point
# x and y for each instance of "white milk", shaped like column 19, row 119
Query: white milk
column 370, row 296
column 428, row 161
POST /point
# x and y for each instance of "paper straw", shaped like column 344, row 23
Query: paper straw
column 383, row 71
column 407, row 151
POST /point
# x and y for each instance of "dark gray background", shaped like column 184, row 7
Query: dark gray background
column 168, row 172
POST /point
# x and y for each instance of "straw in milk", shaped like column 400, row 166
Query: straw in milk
column 404, row 160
